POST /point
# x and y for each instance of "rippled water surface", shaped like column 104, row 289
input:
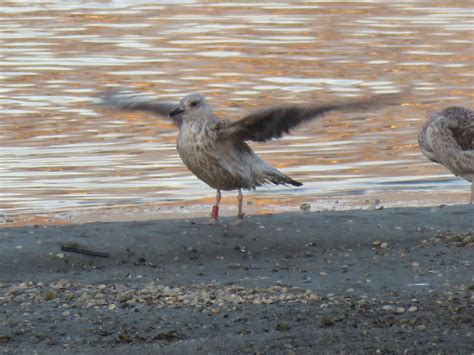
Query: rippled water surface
column 60, row 152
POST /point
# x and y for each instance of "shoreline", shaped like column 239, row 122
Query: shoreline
column 254, row 204
column 360, row 280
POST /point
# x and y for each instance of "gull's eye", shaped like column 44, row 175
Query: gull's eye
column 194, row 104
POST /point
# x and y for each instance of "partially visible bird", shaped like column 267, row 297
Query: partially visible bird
column 447, row 138
column 216, row 150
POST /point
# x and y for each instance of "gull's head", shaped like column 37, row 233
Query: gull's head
column 192, row 107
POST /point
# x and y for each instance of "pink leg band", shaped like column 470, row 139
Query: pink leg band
column 215, row 212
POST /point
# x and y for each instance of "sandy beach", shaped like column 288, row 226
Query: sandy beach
column 363, row 281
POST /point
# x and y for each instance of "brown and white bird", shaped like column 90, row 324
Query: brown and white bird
column 447, row 138
column 216, row 150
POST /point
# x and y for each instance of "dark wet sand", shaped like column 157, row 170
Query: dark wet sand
column 390, row 280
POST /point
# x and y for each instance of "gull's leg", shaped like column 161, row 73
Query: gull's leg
column 240, row 213
column 472, row 191
column 215, row 211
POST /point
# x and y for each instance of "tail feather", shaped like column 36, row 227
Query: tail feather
column 278, row 178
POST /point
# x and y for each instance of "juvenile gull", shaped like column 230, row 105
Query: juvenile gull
column 447, row 138
column 216, row 150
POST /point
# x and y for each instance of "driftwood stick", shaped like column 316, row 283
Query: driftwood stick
column 76, row 248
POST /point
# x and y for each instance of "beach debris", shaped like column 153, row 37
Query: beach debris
column 168, row 336
column 327, row 322
column 453, row 239
column 282, row 327
column 76, row 248
column 5, row 339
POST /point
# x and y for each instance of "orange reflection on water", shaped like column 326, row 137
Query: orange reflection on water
column 60, row 152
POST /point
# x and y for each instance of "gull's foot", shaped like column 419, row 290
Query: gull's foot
column 236, row 223
column 211, row 222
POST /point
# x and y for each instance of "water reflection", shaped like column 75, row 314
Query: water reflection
column 60, row 152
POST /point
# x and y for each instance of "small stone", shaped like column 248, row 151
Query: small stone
column 305, row 206
column 399, row 310
column 412, row 309
column 282, row 327
column 376, row 243
column 49, row 295
column 5, row 339
column 167, row 336
column 19, row 247
column 384, row 245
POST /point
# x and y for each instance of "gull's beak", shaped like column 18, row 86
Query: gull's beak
column 176, row 112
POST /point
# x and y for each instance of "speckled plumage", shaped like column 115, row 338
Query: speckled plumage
column 447, row 138
column 223, row 164
column 216, row 150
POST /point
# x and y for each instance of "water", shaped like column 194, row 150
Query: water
column 60, row 152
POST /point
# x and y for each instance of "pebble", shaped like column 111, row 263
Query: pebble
column 305, row 206
column 379, row 244
column 399, row 310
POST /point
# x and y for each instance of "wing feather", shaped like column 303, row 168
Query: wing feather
column 125, row 100
column 273, row 122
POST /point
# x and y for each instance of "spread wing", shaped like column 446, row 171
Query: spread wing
column 130, row 101
column 273, row 122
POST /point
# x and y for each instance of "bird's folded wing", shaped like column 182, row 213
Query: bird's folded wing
column 131, row 101
column 463, row 130
column 273, row 122
column 447, row 147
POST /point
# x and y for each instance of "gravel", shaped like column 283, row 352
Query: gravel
column 305, row 281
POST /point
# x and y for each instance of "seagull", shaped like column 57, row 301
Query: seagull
column 447, row 138
column 216, row 151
